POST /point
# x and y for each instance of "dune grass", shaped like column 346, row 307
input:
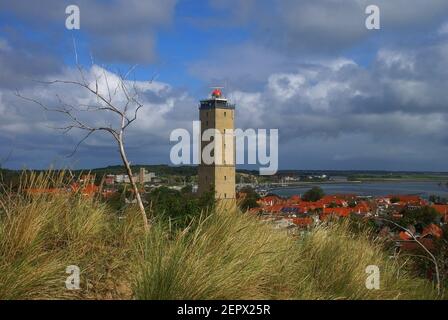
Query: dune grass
column 222, row 254
column 229, row 255
column 42, row 234
column 334, row 261
column 225, row 255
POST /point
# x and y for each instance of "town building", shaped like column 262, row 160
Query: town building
column 142, row 177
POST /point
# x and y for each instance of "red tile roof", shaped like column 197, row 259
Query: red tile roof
column 274, row 209
column 432, row 230
column 86, row 190
column 270, row 200
column 408, row 199
column 254, row 210
column 362, row 207
column 342, row 212
column 404, row 236
column 294, row 199
column 442, row 209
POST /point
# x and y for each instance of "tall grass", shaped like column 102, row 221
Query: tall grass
column 222, row 254
column 225, row 255
column 42, row 234
column 334, row 261
column 228, row 255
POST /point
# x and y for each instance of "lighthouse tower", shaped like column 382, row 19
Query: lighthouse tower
column 217, row 113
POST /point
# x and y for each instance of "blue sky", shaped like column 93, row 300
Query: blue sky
column 342, row 96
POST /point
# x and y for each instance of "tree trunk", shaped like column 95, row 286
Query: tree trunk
column 134, row 186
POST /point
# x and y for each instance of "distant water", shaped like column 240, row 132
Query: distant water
column 422, row 188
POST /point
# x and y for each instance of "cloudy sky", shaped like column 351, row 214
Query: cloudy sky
column 342, row 96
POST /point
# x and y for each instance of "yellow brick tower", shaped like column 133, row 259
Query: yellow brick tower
column 217, row 113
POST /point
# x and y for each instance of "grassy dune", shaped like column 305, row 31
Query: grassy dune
column 222, row 255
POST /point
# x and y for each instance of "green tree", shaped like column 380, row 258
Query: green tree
column 314, row 194
column 437, row 199
column 187, row 189
column 419, row 217
column 250, row 200
column 332, row 205
column 395, row 200
column 207, row 201
column 352, row 204
column 180, row 207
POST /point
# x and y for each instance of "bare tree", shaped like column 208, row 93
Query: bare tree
column 125, row 112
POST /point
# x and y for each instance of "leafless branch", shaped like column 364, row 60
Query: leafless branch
column 107, row 85
column 104, row 103
column 81, row 141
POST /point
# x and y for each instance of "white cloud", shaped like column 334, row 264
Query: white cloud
column 285, row 86
column 250, row 108
column 402, row 60
column 155, row 119
column 397, row 96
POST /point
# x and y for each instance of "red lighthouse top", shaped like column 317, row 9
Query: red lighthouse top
column 216, row 93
